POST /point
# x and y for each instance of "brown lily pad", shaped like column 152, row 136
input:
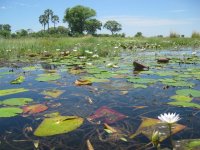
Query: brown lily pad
column 32, row 109
column 149, row 125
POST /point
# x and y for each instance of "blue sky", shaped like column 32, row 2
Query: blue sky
column 151, row 17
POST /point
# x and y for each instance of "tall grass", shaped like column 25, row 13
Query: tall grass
column 195, row 34
column 103, row 46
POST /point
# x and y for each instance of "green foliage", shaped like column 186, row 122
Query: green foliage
column 12, row 91
column 77, row 16
column 174, row 35
column 55, row 19
column 195, row 35
column 92, row 25
column 16, row 101
column 5, row 30
column 138, row 34
column 113, row 26
column 10, row 111
column 58, row 125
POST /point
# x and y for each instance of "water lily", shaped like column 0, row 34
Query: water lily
column 95, row 56
column 89, row 52
column 169, row 118
column 194, row 53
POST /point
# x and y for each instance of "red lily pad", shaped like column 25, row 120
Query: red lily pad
column 106, row 115
column 32, row 109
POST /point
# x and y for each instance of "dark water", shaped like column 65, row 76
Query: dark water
column 74, row 102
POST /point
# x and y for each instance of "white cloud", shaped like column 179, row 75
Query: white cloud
column 144, row 22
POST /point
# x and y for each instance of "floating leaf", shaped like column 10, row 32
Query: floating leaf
column 16, row 101
column 188, row 92
column 32, row 109
column 83, row 82
column 10, row 111
column 12, row 91
column 139, row 86
column 29, row 68
column 187, row 144
column 181, row 98
column 18, row 80
column 58, row 125
column 48, row 77
column 142, row 80
column 179, row 83
column 55, row 114
column 92, row 79
column 52, row 93
column 149, row 125
column 107, row 115
column 184, row 104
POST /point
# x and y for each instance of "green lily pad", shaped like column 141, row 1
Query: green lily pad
column 16, row 101
column 142, row 80
column 52, row 93
column 93, row 79
column 188, row 144
column 10, row 111
column 139, row 86
column 166, row 73
column 185, row 104
column 179, row 83
column 18, row 80
column 188, row 92
column 29, row 68
column 181, row 98
column 12, row 91
column 58, row 125
column 48, row 77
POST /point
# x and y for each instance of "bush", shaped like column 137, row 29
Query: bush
column 174, row 35
column 195, row 35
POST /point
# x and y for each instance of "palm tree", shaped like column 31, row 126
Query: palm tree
column 48, row 13
column 55, row 19
column 43, row 20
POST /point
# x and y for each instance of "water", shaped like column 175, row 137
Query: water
column 118, row 94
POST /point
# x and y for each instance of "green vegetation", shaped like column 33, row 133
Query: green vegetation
column 102, row 46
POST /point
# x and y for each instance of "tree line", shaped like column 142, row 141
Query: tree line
column 81, row 20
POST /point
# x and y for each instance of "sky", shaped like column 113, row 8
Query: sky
column 151, row 17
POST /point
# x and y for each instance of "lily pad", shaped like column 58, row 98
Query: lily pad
column 18, row 80
column 58, row 125
column 181, row 98
column 16, row 101
column 187, row 144
column 149, row 125
column 139, row 86
column 185, row 104
column 83, row 82
column 32, row 109
column 142, row 80
column 106, row 115
column 48, row 77
column 10, row 111
column 92, row 79
column 188, row 92
column 52, row 93
column 12, row 91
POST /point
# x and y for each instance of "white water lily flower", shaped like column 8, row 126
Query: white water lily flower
column 194, row 53
column 95, row 56
column 169, row 118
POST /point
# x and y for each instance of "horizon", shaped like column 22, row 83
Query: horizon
column 151, row 18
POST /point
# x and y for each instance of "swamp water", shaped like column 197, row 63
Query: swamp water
column 70, row 104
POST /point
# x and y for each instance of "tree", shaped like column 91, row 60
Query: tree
column 43, row 20
column 22, row 33
column 55, row 19
column 5, row 30
column 77, row 16
column 92, row 25
column 113, row 26
column 7, row 27
column 48, row 13
column 138, row 34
